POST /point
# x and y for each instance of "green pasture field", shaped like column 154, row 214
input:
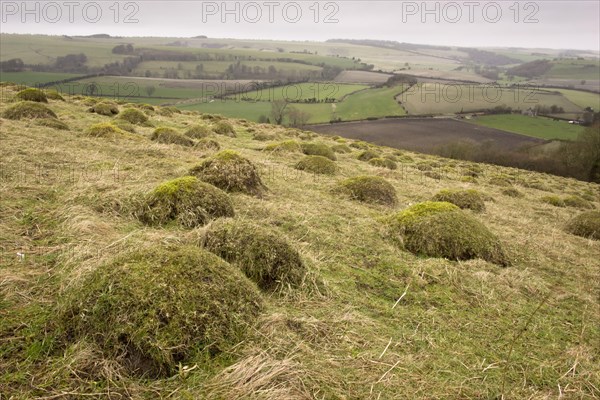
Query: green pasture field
column 539, row 127
column 575, row 69
column 218, row 67
column 32, row 78
column 582, row 99
column 302, row 91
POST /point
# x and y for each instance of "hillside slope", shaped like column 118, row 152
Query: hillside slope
column 368, row 319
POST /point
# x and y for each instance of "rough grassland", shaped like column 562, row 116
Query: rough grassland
column 369, row 321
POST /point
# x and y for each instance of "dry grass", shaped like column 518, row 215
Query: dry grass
column 377, row 322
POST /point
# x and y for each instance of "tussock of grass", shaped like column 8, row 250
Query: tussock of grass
column 52, row 123
column 224, row 128
column 466, row 199
column 318, row 149
column 440, row 229
column 577, row 202
column 133, row 116
column 187, row 201
column 383, row 163
column 360, row 145
column 32, row 94
column 317, row 165
column 512, row 192
column 263, row 136
column 287, row 146
column 54, row 95
column 231, row 172
column 368, row 155
column 155, row 308
column 28, row 110
column 198, row 131
column 586, row 225
column 170, row 136
column 122, row 124
column 262, row 254
column 553, row 200
column 168, row 111
column 208, row 144
column 106, row 130
column 105, row 108
column 341, row 148
column 368, row 189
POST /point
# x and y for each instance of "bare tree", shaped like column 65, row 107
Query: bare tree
column 297, row 118
column 278, row 111
column 150, row 90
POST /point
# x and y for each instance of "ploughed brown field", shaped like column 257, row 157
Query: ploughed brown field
column 420, row 134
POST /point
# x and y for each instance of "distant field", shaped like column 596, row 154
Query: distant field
column 302, row 91
column 538, row 127
column 34, row 78
column 366, row 77
column 574, row 69
column 435, row 98
column 424, row 134
column 375, row 103
column 582, row 99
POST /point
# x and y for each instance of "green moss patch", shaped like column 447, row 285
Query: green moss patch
column 153, row 309
column 32, row 94
column 318, row 149
column 224, row 128
column 106, row 130
column 341, row 148
column 28, row 110
column 441, row 229
column 586, row 225
column 288, row 146
column 52, row 123
column 105, row 108
column 133, row 116
column 466, row 199
column 186, row 201
column 368, row 155
column 383, row 163
column 231, row 172
column 317, row 165
column 54, row 95
column 261, row 253
column 170, row 136
column 368, row 189
column 198, row 131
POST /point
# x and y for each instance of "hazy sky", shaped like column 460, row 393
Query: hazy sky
column 545, row 24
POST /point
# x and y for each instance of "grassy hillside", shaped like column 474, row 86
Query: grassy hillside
column 95, row 290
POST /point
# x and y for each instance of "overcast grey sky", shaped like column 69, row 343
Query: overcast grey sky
column 545, row 24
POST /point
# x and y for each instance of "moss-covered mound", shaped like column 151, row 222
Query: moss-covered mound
column 168, row 111
column 262, row 254
column 231, row 172
column 586, row 225
column 208, row 144
column 32, row 94
column 187, row 201
column 317, row 165
column 341, row 148
column 512, row 192
column 439, row 229
column 133, row 116
column 368, row 189
column 198, row 131
column 28, row 110
column 52, row 123
column 54, row 95
column 368, row 155
column 383, row 163
column 147, row 108
column 288, row 146
column 105, row 130
column 224, row 128
column 170, row 136
column 262, row 136
column 105, row 108
column 360, row 145
column 122, row 124
column 155, row 308
column 318, row 149
column 466, row 199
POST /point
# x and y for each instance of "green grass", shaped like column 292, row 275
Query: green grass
column 582, row 99
column 574, row 69
column 31, row 78
column 539, row 127
column 303, row 91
